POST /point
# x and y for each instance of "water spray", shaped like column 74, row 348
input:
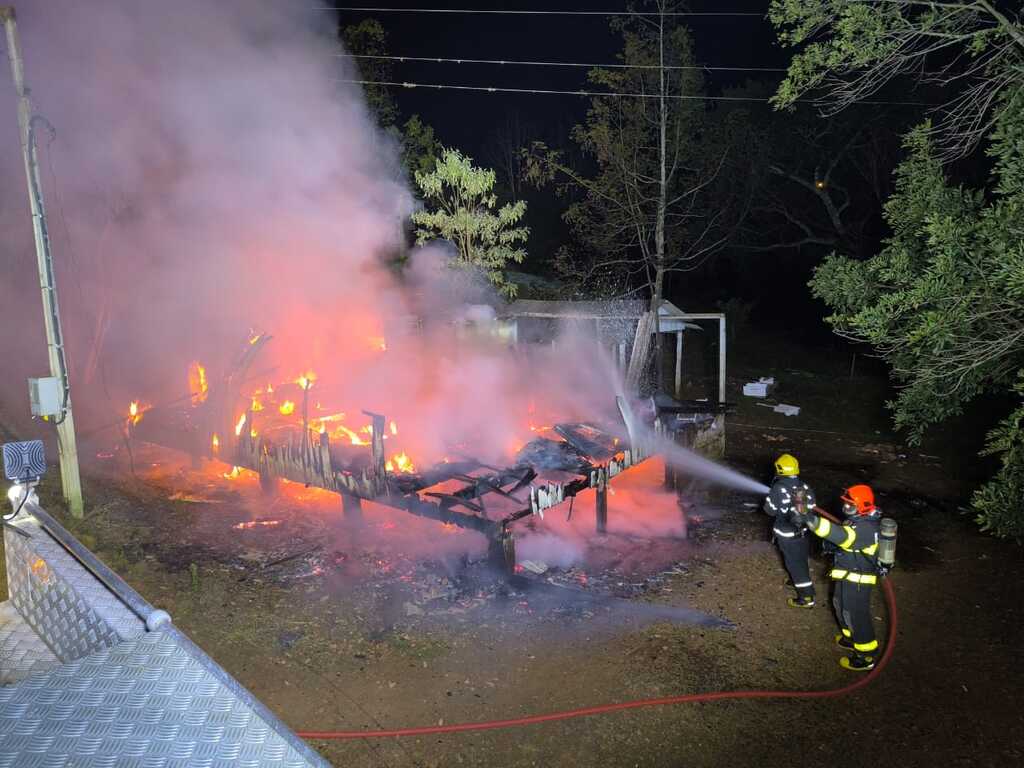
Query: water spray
column 682, row 458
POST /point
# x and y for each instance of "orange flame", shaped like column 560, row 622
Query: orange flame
column 234, row 473
column 215, row 442
column 379, row 343
column 253, row 432
column 400, row 463
column 256, row 405
column 343, row 431
column 197, row 385
column 306, row 380
column 394, row 428
column 239, row 425
column 135, row 412
column 287, row 407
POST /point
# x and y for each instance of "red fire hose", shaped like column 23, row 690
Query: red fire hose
column 689, row 698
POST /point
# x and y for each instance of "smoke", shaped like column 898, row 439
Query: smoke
column 211, row 177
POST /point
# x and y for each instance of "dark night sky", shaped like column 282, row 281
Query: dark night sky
column 465, row 119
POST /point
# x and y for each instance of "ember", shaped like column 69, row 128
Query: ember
column 287, row 408
column 240, row 425
column 256, row 523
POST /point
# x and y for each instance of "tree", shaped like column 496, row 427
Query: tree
column 367, row 39
column 851, row 50
column 943, row 301
column 420, row 147
column 642, row 215
column 363, row 42
column 813, row 185
column 463, row 209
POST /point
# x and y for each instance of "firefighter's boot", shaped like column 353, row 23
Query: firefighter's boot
column 857, row 663
column 844, row 642
column 800, row 602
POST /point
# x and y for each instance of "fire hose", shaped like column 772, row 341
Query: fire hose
column 689, row 698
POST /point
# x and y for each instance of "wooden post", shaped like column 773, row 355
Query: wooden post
column 377, row 443
column 602, row 500
column 66, row 447
column 352, row 507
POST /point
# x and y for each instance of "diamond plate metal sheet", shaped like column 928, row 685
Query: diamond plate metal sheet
column 150, row 701
column 68, row 607
column 22, row 652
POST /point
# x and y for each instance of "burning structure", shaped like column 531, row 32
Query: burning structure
column 280, row 438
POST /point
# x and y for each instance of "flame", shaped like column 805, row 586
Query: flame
column 287, row 407
column 401, row 463
column 379, row 343
column 197, row 385
column 270, row 388
column 256, row 404
column 255, row 337
column 234, row 473
column 239, row 425
column 215, row 442
column 135, row 412
column 394, row 428
column 253, row 432
column 343, row 431
column 306, row 380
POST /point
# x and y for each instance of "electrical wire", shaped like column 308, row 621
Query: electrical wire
column 689, row 698
column 504, row 12
column 608, row 94
column 515, row 62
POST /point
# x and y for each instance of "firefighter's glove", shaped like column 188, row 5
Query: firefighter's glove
column 797, row 519
column 810, row 520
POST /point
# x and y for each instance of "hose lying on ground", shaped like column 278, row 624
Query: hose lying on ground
column 689, row 698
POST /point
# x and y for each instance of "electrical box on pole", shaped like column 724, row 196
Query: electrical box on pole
column 66, row 448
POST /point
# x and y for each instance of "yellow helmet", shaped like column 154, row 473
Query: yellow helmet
column 787, row 466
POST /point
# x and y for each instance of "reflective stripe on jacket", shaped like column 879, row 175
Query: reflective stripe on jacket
column 857, row 540
column 779, row 504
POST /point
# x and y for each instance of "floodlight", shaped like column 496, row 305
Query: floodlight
column 24, row 462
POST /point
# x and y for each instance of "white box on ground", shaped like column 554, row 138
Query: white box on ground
column 760, row 387
column 46, row 396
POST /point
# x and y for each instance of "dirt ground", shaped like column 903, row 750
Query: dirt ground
column 325, row 657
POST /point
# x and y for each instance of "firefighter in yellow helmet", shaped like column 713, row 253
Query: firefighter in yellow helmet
column 787, row 492
column 855, row 572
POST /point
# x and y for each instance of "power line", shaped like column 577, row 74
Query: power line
column 536, row 13
column 519, row 62
column 609, row 94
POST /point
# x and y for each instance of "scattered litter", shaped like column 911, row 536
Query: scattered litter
column 760, row 387
column 534, row 566
column 786, row 410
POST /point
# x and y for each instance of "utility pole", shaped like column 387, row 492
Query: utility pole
column 659, row 228
column 66, row 448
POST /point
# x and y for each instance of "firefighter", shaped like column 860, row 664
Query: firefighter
column 788, row 530
column 854, row 573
